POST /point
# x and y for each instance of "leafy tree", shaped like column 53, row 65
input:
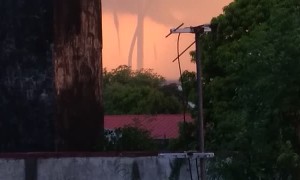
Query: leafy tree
column 187, row 138
column 251, row 90
column 129, row 138
column 251, row 62
column 137, row 92
column 189, row 85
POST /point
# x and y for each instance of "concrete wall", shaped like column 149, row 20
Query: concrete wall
column 12, row 169
column 97, row 168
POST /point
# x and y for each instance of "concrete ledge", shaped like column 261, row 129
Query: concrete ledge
column 30, row 155
column 94, row 166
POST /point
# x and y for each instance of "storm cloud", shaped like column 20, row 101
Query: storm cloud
column 166, row 12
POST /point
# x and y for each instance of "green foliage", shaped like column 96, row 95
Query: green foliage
column 126, row 76
column 187, row 138
column 251, row 87
column 251, row 67
column 137, row 92
column 129, row 138
column 189, row 85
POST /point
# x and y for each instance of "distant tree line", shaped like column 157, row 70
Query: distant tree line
column 128, row 91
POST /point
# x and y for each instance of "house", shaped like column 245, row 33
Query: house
column 161, row 126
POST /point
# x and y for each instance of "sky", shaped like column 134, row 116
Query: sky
column 120, row 19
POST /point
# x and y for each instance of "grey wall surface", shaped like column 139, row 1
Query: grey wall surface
column 12, row 169
column 99, row 168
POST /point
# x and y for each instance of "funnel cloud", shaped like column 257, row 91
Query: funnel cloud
column 161, row 14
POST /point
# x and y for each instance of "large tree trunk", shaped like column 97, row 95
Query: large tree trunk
column 78, row 74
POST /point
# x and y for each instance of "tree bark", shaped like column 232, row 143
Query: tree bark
column 77, row 57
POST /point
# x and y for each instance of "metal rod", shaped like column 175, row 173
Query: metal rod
column 183, row 90
column 175, row 29
column 184, row 51
column 200, row 105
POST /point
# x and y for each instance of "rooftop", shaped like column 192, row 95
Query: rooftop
column 161, row 126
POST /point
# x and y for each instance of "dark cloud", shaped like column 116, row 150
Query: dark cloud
column 162, row 11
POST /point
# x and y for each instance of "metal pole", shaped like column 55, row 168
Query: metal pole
column 200, row 105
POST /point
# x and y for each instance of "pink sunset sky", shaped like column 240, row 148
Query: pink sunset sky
column 160, row 17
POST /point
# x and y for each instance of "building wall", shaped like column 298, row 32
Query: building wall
column 12, row 169
column 97, row 168
column 26, row 76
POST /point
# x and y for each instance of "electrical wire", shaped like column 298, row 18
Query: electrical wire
column 184, row 98
column 184, row 50
column 181, row 81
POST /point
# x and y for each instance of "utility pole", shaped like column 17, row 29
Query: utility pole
column 200, row 122
column 198, row 31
